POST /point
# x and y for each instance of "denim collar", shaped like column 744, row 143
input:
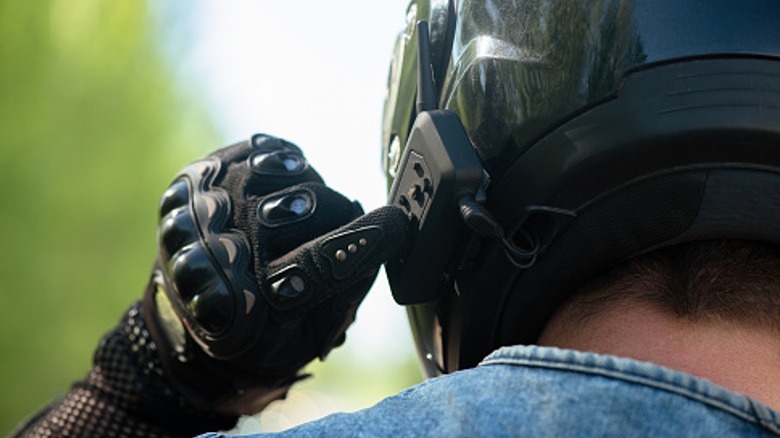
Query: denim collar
column 641, row 373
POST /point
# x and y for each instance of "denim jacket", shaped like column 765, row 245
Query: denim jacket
column 548, row 392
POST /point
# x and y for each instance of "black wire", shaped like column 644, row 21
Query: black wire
column 519, row 257
column 479, row 219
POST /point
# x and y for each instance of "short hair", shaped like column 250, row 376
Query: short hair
column 726, row 280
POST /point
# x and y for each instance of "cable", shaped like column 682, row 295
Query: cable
column 479, row 219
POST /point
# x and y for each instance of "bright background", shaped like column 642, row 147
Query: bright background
column 101, row 102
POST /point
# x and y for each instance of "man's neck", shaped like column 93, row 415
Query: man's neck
column 740, row 358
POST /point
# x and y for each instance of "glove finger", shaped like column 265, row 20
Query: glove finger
column 339, row 262
column 314, row 291
column 288, row 218
column 327, row 278
column 261, row 166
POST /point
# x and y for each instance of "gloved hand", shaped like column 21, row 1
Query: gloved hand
column 261, row 268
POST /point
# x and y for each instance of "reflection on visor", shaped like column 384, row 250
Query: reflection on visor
column 520, row 67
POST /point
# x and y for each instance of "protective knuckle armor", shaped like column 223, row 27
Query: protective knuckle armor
column 206, row 261
column 208, row 217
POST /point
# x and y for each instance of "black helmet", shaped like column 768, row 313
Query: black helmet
column 552, row 140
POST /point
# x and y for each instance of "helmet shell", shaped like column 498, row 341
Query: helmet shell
column 608, row 128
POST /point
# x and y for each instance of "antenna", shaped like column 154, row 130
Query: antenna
column 426, row 90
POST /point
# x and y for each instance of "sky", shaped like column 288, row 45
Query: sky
column 314, row 73
column 311, row 73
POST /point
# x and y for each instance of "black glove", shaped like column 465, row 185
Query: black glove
column 261, row 269
column 257, row 275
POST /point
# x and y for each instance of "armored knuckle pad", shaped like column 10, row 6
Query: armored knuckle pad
column 205, row 242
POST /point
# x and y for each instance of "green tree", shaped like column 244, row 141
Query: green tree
column 92, row 128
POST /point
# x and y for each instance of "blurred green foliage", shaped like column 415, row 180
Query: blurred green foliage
column 92, row 128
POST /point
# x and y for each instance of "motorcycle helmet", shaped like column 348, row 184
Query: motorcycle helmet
column 537, row 144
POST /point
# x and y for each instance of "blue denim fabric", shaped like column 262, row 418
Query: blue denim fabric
column 547, row 392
